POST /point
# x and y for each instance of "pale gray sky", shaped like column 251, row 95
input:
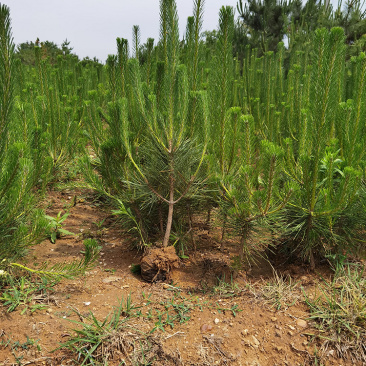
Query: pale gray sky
column 92, row 26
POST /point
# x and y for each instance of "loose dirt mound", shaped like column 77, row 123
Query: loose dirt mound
column 157, row 264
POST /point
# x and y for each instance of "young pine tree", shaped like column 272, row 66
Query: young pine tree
column 149, row 163
column 20, row 224
column 325, row 183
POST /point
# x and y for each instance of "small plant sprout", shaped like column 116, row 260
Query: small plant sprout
column 55, row 226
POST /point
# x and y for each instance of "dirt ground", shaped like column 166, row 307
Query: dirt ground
column 197, row 320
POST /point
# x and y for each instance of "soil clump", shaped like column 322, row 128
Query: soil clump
column 157, row 264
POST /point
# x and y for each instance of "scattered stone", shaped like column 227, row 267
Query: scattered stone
column 278, row 333
column 87, row 303
column 111, row 279
column 301, row 323
column 245, row 332
column 274, row 319
column 49, row 310
column 278, row 348
column 291, row 327
column 255, row 342
column 217, row 321
column 290, row 333
column 206, row 328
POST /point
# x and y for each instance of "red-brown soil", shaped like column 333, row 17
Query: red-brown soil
column 209, row 333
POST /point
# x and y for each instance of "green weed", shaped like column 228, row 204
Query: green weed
column 17, row 347
column 226, row 289
column 55, row 229
column 115, row 338
column 26, row 294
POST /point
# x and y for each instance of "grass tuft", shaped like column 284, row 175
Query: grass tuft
column 339, row 314
column 281, row 291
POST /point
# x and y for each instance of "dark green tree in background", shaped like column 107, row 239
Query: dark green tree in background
column 265, row 22
column 25, row 51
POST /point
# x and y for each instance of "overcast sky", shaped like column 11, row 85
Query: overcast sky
column 92, row 26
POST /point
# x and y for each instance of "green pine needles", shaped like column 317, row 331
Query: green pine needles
column 34, row 126
column 149, row 160
column 326, row 182
column 17, row 166
column 273, row 146
column 269, row 143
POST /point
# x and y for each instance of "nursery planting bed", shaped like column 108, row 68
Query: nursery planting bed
column 198, row 320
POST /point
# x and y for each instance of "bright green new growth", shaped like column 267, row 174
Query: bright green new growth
column 270, row 143
column 148, row 160
column 18, row 173
column 272, row 147
column 36, row 124
column 326, row 182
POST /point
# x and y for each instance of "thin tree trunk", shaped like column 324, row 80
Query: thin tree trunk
column 170, row 212
column 190, row 222
column 161, row 224
column 223, row 232
column 171, row 198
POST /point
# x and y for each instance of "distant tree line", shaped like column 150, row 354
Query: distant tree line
column 26, row 52
column 262, row 24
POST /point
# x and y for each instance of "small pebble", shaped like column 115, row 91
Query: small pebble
column 206, row 328
column 255, row 343
column 301, row 323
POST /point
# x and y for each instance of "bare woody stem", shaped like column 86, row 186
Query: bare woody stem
column 171, row 197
